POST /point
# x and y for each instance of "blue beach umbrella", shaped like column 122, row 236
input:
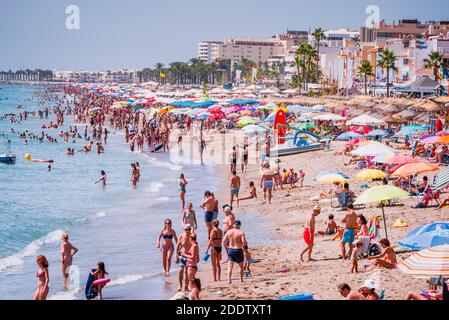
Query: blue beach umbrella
column 203, row 116
column 270, row 118
column 411, row 130
column 324, row 173
column 430, row 235
column 349, row 136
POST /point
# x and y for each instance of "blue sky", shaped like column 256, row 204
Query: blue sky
column 138, row 33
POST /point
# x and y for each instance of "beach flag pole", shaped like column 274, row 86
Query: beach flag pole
column 385, row 220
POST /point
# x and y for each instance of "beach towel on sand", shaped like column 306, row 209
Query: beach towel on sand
column 374, row 227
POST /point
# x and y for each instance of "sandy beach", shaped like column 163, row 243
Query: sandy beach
column 286, row 217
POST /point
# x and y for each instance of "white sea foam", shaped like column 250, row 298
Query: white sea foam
column 65, row 295
column 92, row 217
column 154, row 187
column 132, row 278
column 30, row 250
column 164, row 164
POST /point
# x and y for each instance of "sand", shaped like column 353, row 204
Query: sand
column 286, row 217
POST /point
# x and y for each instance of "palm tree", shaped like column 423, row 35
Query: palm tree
column 308, row 56
column 297, row 62
column 366, row 70
column 318, row 34
column 388, row 61
column 434, row 61
column 159, row 67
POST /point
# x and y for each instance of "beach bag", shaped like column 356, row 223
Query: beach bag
column 374, row 250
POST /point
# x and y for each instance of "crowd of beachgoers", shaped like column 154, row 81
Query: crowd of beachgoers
column 390, row 156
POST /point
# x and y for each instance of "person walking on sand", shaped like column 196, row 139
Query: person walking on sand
column 182, row 190
column 67, row 252
column 267, row 182
column 234, row 241
column 348, row 237
column 235, row 187
column 215, row 244
column 183, row 245
column 189, row 217
column 309, row 233
column 168, row 247
column 43, row 279
column 233, row 159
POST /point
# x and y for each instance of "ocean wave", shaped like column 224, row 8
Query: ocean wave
column 92, row 217
column 65, row 295
column 133, row 278
column 163, row 164
column 163, row 199
column 154, row 187
column 30, row 250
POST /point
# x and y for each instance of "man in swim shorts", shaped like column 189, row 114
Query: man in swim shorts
column 309, row 233
column 208, row 204
column 234, row 241
column 183, row 245
column 350, row 221
column 235, row 187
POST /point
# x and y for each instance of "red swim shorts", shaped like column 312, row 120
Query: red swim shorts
column 308, row 238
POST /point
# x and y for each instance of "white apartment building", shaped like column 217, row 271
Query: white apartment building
column 208, row 51
column 84, row 76
column 336, row 38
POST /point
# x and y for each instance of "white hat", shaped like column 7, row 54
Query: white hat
column 369, row 283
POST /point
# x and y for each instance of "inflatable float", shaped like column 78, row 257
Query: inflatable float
column 101, row 281
column 302, row 296
column 45, row 161
column 157, row 148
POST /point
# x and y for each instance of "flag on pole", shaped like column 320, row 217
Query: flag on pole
column 162, row 75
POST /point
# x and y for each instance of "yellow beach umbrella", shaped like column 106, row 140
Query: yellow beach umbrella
column 332, row 178
column 444, row 139
column 371, row 174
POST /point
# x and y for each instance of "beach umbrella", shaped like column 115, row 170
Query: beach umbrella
column 203, row 116
column 365, row 120
column 264, row 108
column 371, row 174
column 329, row 117
column 415, row 168
column 332, row 178
column 378, row 133
column 96, row 109
column 430, row 235
column 271, row 117
column 254, row 129
column 357, row 141
column 361, row 129
column 444, row 139
column 383, row 157
column 441, row 180
column 318, row 108
column 380, row 194
column 327, row 172
column 245, row 122
column 401, row 159
column 411, row 130
column 349, row 136
column 430, row 140
column 372, row 149
column 428, row 263
column 233, row 115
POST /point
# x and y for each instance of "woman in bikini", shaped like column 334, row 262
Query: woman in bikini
column 215, row 242
column 168, row 247
column 193, row 257
column 182, row 189
column 189, row 217
column 42, row 279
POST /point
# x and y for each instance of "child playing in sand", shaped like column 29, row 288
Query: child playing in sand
column 358, row 255
column 301, row 176
column 331, row 227
column 248, row 261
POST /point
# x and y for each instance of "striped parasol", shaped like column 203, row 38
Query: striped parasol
column 430, row 262
column 441, row 180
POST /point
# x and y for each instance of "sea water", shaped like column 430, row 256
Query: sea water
column 116, row 224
